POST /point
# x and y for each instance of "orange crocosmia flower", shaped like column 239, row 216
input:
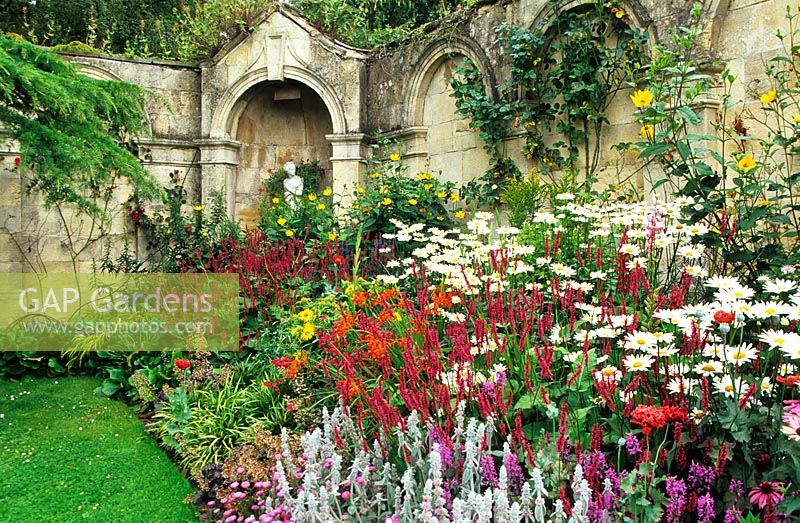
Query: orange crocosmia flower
column 441, row 299
column 343, row 326
column 360, row 298
column 385, row 315
column 390, row 294
column 377, row 344
column 295, row 365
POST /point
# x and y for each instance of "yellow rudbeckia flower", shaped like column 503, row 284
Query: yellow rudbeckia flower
column 395, row 157
column 647, row 132
column 460, row 215
column 386, row 201
column 289, row 233
column 312, row 197
column 642, row 98
column 320, row 206
column 746, row 163
column 281, row 221
column 327, row 192
column 198, row 208
column 769, row 97
column 412, row 201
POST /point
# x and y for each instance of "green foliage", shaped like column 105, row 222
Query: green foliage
column 178, row 231
column 310, row 216
column 563, row 76
column 74, row 131
column 389, row 194
column 204, row 425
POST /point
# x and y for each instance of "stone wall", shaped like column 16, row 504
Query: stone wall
column 218, row 122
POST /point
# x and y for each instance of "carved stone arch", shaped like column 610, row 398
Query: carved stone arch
column 633, row 9
column 430, row 60
column 98, row 73
column 226, row 115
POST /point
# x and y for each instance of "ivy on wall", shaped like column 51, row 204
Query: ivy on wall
column 562, row 78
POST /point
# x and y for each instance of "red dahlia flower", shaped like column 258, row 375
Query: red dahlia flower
column 183, row 364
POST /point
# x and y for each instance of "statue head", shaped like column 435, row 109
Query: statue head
column 290, row 168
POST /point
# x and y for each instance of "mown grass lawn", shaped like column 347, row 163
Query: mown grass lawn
column 67, row 455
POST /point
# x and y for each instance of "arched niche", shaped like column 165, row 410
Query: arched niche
column 453, row 148
column 277, row 122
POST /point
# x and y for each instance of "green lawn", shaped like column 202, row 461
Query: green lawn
column 67, row 455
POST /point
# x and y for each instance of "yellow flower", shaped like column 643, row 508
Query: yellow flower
column 305, row 315
column 386, row 201
column 454, row 197
column 308, row 331
column 642, row 98
column 289, row 233
column 769, row 97
column 198, row 208
column 620, row 13
column 398, row 316
column 440, row 218
column 796, row 118
column 441, row 194
column 276, row 200
column 412, row 201
column 746, row 163
column 312, row 197
column 460, row 215
column 647, row 132
column 395, row 157
column 327, row 192
column 427, row 186
column 320, row 206
column 763, row 203
column 360, row 190
column 376, row 175
column 281, row 221
column 424, row 176
column 331, row 236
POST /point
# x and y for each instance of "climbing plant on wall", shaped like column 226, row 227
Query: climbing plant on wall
column 562, row 77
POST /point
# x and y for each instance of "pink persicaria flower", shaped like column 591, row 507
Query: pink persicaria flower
column 767, row 494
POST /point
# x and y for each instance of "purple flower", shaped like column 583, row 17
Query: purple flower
column 705, row 509
column 701, row 477
column 515, row 475
column 676, row 494
column 488, row 471
column 632, row 445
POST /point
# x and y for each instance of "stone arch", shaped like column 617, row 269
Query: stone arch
column 431, row 59
column 226, row 115
column 97, row 73
column 633, row 9
column 277, row 122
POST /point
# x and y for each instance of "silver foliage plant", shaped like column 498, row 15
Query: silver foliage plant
column 338, row 478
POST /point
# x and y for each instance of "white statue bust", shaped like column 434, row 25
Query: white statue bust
column 292, row 184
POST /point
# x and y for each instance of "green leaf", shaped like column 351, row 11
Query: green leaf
column 688, row 115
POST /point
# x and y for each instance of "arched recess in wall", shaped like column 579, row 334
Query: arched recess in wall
column 274, row 122
column 554, row 21
column 453, row 148
column 633, row 9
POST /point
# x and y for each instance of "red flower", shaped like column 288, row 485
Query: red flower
column 17, row 160
column 724, row 317
column 338, row 259
column 183, row 364
column 789, row 381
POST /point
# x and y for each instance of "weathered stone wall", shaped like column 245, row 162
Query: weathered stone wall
column 218, row 124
